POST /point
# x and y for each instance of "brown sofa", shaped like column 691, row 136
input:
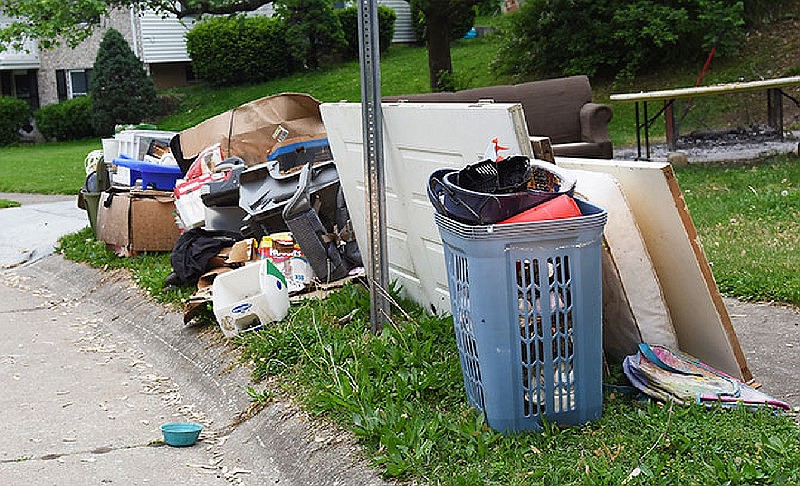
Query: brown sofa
column 560, row 109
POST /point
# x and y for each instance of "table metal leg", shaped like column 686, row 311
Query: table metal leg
column 638, row 132
column 671, row 126
column 646, row 132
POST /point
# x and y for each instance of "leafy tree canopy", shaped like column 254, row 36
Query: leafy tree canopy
column 54, row 21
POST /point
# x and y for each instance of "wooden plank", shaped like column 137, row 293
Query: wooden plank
column 678, row 93
column 699, row 316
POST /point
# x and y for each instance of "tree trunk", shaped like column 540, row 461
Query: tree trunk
column 438, row 37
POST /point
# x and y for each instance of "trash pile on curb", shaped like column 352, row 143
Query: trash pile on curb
column 551, row 268
column 248, row 203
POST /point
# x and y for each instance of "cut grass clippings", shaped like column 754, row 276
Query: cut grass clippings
column 747, row 217
column 5, row 203
column 45, row 168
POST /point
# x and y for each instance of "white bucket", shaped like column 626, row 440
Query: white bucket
column 249, row 297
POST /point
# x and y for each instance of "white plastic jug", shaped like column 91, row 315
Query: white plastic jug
column 250, row 297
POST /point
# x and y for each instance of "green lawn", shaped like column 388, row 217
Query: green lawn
column 48, row 168
column 747, row 216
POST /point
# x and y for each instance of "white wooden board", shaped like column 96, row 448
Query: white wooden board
column 698, row 313
column 418, row 139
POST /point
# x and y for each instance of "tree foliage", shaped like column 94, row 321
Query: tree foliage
column 441, row 17
column 461, row 19
column 348, row 17
column 238, row 49
column 312, row 31
column 616, row 37
column 121, row 91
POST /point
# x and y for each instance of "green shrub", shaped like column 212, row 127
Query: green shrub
column 121, row 91
column 14, row 114
column 617, row 37
column 460, row 14
column 68, row 120
column 238, row 50
column 312, row 32
column 348, row 18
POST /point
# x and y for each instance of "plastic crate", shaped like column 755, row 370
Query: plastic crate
column 154, row 176
column 527, row 312
column 134, row 143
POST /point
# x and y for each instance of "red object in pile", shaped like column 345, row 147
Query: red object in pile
column 560, row 207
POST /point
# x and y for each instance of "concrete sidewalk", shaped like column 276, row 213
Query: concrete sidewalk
column 31, row 231
column 91, row 368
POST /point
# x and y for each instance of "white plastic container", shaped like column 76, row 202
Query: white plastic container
column 134, row 143
column 250, row 297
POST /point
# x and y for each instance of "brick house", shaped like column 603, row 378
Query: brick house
column 42, row 77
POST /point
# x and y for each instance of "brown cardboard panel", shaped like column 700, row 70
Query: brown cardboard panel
column 243, row 251
column 698, row 313
column 112, row 219
column 251, row 130
column 134, row 222
column 152, row 224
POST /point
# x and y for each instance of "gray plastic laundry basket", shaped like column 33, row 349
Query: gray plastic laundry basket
column 524, row 357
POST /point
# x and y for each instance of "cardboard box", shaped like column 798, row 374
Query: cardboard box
column 137, row 221
column 251, row 130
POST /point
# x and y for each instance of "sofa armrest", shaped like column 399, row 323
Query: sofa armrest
column 594, row 122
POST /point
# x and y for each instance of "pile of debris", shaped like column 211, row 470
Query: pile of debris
column 248, row 203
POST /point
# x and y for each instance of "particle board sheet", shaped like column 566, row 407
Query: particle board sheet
column 418, row 139
column 699, row 316
column 634, row 308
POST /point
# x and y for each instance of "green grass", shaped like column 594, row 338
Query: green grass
column 402, row 394
column 747, row 216
column 403, row 71
column 5, row 203
column 47, row 168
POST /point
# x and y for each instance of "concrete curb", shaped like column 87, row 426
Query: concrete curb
column 278, row 445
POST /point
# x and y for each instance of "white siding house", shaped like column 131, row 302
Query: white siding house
column 161, row 38
column 403, row 30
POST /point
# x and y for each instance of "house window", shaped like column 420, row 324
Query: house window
column 72, row 82
column 77, row 83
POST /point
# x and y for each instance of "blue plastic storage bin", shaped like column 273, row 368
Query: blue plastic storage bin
column 153, row 176
column 527, row 311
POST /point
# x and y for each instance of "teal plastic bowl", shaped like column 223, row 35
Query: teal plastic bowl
column 181, row 434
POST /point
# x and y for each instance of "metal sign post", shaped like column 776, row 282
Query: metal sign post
column 369, row 55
